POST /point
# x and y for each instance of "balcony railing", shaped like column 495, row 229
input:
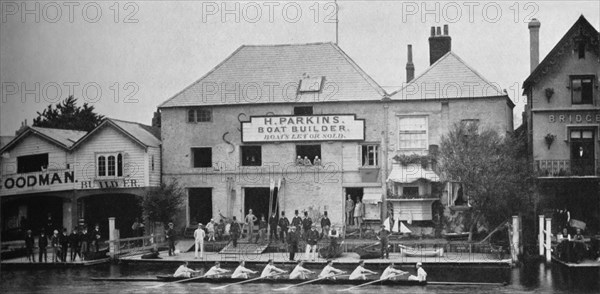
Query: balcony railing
column 567, row 168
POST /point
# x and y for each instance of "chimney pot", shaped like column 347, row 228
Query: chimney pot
column 410, row 67
column 439, row 45
column 534, row 43
column 432, row 31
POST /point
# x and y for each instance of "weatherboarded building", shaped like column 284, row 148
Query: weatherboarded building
column 563, row 118
column 75, row 177
column 247, row 135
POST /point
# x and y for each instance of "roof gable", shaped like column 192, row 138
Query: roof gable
column 139, row 133
column 449, row 77
column 59, row 137
column 581, row 29
column 272, row 74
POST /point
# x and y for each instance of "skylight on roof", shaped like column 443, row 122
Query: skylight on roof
column 308, row 84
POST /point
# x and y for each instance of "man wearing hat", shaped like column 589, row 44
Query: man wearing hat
column 284, row 223
column 421, row 274
column 382, row 236
column 199, row 235
column 312, row 238
column 170, row 236
column 292, row 241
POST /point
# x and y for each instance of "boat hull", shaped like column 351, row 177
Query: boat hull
column 169, row 278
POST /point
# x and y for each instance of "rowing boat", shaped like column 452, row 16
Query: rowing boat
column 420, row 252
column 170, row 278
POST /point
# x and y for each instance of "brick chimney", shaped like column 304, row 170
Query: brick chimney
column 534, row 43
column 439, row 44
column 410, row 67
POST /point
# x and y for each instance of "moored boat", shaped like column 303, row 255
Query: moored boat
column 419, row 252
column 170, row 278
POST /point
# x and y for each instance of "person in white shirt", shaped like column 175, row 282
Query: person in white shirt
column 300, row 272
column 183, row 271
column 564, row 236
column 210, row 227
column 421, row 274
column 270, row 270
column 360, row 271
column 329, row 271
column 216, row 271
column 390, row 273
column 241, row 272
column 199, row 235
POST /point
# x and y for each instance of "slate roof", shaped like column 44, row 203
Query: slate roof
column 70, row 139
column 64, row 137
column 281, row 68
column 60, row 137
column 144, row 135
column 148, row 135
column 449, row 77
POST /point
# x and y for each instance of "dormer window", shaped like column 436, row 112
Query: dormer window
column 309, row 85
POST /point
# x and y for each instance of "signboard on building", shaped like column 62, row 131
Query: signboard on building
column 335, row 127
column 574, row 117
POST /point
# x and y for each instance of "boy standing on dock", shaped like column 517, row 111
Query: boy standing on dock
column 292, row 241
column 382, row 236
column 235, row 231
column 29, row 243
column 199, row 241
column 42, row 244
column 170, row 236
column 312, row 238
column 250, row 220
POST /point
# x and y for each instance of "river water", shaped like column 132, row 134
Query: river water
column 529, row 278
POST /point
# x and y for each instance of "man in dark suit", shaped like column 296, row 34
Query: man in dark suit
column 273, row 222
column 292, row 241
column 284, row 223
column 170, row 236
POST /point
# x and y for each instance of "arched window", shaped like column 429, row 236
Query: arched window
column 101, row 166
column 111, row 165
column 119, row 165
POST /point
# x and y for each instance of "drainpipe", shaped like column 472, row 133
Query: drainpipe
column 384, row 176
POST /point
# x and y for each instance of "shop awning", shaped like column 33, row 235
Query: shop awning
column 371, row 198
column 411, row 173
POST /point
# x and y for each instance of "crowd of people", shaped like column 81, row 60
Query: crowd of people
column 300, row 272
column 62, row 245
column 301, row 229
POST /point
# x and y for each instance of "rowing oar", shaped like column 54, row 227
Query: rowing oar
column 369, row 283
column 308, row 282
column 244, row 281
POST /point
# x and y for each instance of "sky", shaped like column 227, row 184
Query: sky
column 126, row 58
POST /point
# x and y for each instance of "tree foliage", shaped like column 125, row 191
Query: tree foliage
column 492, row 168
column 161, row 204
column 67, row 115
